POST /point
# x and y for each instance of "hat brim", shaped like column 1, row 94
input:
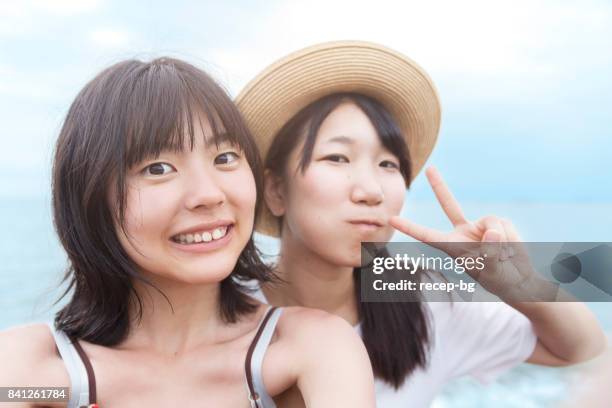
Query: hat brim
column 284, row 88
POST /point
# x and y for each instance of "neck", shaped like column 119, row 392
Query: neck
column 309, row 280
column 186, row 317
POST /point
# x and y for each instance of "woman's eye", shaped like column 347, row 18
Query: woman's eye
column 389, row 164
column 158, row 169
column 226, row 158
column 337, row 158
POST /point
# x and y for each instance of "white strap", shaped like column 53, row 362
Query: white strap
column 79, row 389
column 264, row 400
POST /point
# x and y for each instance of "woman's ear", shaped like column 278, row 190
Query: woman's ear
column 273, row 193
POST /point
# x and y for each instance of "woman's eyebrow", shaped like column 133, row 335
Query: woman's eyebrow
column 219, row 138
column 341, row 139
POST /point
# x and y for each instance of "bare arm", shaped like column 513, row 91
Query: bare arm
column 334, row 368
column 568, row 332
column 26, row 356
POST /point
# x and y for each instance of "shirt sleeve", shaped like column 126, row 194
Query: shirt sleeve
column 482, row 339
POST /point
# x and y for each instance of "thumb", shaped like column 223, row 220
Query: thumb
column 491, row 244
column 491, row 235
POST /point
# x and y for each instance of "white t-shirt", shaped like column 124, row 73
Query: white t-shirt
column 479, row 339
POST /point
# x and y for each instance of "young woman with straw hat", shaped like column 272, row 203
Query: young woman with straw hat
column 155, row 187
column 344, row 128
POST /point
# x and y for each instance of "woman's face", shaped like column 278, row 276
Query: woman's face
column 347, row 194
column 190, row 214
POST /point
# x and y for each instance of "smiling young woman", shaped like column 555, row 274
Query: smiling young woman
column 155, row 189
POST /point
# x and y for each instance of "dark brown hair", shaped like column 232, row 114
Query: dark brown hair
column 396, row 335
column 131, row 111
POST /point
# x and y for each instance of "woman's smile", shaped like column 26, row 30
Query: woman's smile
column 204, row 232
column 203, row 241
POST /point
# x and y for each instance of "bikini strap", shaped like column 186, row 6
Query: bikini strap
column 258, row 396
column 80, row 370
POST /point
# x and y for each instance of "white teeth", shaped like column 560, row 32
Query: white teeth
column 217, row 233
column 205, row 236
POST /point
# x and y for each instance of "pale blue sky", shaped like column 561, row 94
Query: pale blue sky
column 525, row 85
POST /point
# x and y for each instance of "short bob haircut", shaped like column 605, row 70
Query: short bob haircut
column 131, row 111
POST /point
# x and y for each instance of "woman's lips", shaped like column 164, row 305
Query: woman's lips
column 205, row 226
column 368, row 221
column 366, row 225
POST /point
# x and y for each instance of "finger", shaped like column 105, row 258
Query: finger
column 416, row 231
column 517, row 246
column 447, row 201
column 494, row 223
column 491, row 247
column 492, row 236
column 511, row 232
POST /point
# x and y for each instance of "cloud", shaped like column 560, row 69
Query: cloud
column 31, row 16
column 521, row 42
column 109, row 37
column 66, row 8
column 21, row 85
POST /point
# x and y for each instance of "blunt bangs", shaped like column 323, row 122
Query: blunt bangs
column 166, row 106
column 130, row 112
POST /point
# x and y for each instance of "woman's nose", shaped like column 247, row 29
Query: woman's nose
column 366, row 189
column 203, row 191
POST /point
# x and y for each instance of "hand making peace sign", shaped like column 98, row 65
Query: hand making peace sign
column 507, row 267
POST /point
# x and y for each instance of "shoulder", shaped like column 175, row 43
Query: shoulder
column 474, row 313
column 480, row 334
column 331, row 364
column 29, row 357
column 302, row 323
column 318, row 334
column 33, row 341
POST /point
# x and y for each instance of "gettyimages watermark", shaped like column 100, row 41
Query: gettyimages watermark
column 493, row 271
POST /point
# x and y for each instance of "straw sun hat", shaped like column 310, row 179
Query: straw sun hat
column 287, row 86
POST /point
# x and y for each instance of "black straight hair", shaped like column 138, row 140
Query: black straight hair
column 131, row 111
column 396, row 335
